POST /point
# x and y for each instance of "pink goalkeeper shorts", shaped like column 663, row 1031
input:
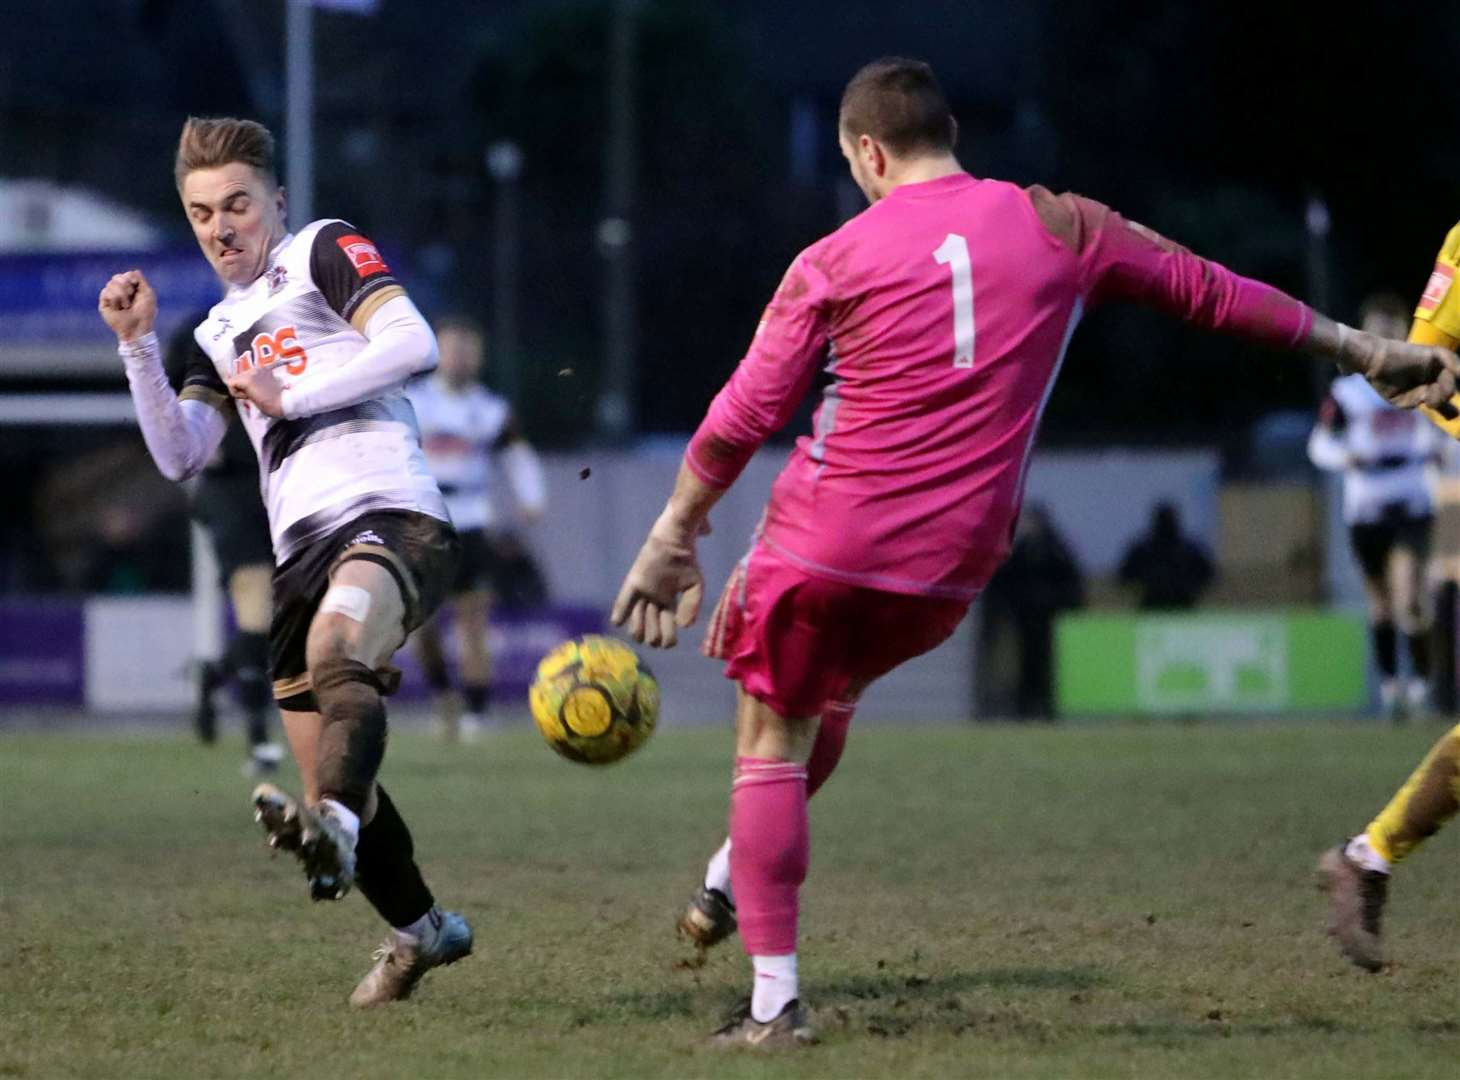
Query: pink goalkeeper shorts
column 797, row 642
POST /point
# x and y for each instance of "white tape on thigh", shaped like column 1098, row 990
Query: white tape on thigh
column 351, row 601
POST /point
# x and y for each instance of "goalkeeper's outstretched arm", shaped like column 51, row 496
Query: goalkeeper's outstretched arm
column 1122, row 260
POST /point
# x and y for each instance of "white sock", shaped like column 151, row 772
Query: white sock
column 717, row 874
column 348, row 819
column 424, row 928
column 775, row 986
column 1362, row 852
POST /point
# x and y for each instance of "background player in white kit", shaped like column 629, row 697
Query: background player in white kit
column 224, row 501
column 310, row 347
column 1384, row 454
column 470, row 437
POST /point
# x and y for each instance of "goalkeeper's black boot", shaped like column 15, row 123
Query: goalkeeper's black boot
column 708, row 919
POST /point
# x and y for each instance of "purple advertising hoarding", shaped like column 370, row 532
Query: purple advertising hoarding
column 42, row 653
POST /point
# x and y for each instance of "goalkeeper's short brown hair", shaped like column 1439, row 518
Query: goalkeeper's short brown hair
column 208, row 142
column 899, row 103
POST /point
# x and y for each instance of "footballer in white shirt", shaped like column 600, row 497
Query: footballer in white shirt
column 310, row 348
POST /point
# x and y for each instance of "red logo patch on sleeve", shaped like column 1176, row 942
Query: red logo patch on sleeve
column 1439, row 285
column 363, row 255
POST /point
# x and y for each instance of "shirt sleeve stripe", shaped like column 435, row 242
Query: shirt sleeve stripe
column 208, row 396
column 371, row 304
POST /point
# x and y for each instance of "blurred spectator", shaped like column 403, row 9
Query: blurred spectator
column 1039, row 580
column 1169, row 571
column 120, row 560
column 110, row 524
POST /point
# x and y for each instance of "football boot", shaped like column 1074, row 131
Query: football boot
column 1355, row 906
column 399, row 964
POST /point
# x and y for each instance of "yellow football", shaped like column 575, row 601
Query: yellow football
column 593, row 700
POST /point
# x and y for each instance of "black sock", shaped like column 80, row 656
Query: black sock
column 1386, row 649
column 1419, row 653
column 249, row 657
column 385, row 866
column 433, row 667
column 352, row 736
column 478, row 698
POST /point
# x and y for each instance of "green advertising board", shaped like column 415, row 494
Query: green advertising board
column 1210, row 662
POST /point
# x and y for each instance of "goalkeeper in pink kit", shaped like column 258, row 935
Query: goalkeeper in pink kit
column 943, row 313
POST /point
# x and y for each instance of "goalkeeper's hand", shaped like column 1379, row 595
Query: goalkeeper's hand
column 663, row 589
column 1404, row 373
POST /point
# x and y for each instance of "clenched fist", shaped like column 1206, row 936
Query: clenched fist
column 260, row 388
column 128, row 305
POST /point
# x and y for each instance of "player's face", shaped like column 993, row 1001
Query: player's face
column 237, row 215
column 866, row 160
column 461, row 355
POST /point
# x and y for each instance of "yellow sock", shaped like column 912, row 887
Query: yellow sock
column 1428, row 799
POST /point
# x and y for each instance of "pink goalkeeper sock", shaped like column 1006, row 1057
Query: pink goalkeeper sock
column 770, row 847
column 831, row 737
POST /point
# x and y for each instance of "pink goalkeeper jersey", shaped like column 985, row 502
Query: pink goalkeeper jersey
column 943, row 313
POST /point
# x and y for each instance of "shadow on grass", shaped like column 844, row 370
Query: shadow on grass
column 908, row 1018
column 897, row 990
column 910, row 987
column 1173, row 1031
column 893, row 1006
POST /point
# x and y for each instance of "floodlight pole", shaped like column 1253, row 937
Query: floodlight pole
column 616, row 420
column 504, row 162
column 1318, row 222
column 299, row 111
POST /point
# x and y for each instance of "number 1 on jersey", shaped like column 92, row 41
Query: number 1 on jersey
column 954, row 254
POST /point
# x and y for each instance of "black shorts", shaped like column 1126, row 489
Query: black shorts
column 231, row 509
column 481, row 566
column 1374, row 542
column 420, row 551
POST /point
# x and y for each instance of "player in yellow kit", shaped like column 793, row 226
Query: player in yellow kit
column 1356, row 872
column 1437, row 319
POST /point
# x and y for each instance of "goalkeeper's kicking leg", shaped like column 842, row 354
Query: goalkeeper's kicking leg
column 1356, row 872
column 709, row 918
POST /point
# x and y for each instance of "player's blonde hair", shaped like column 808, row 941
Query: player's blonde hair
column 208, row 142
